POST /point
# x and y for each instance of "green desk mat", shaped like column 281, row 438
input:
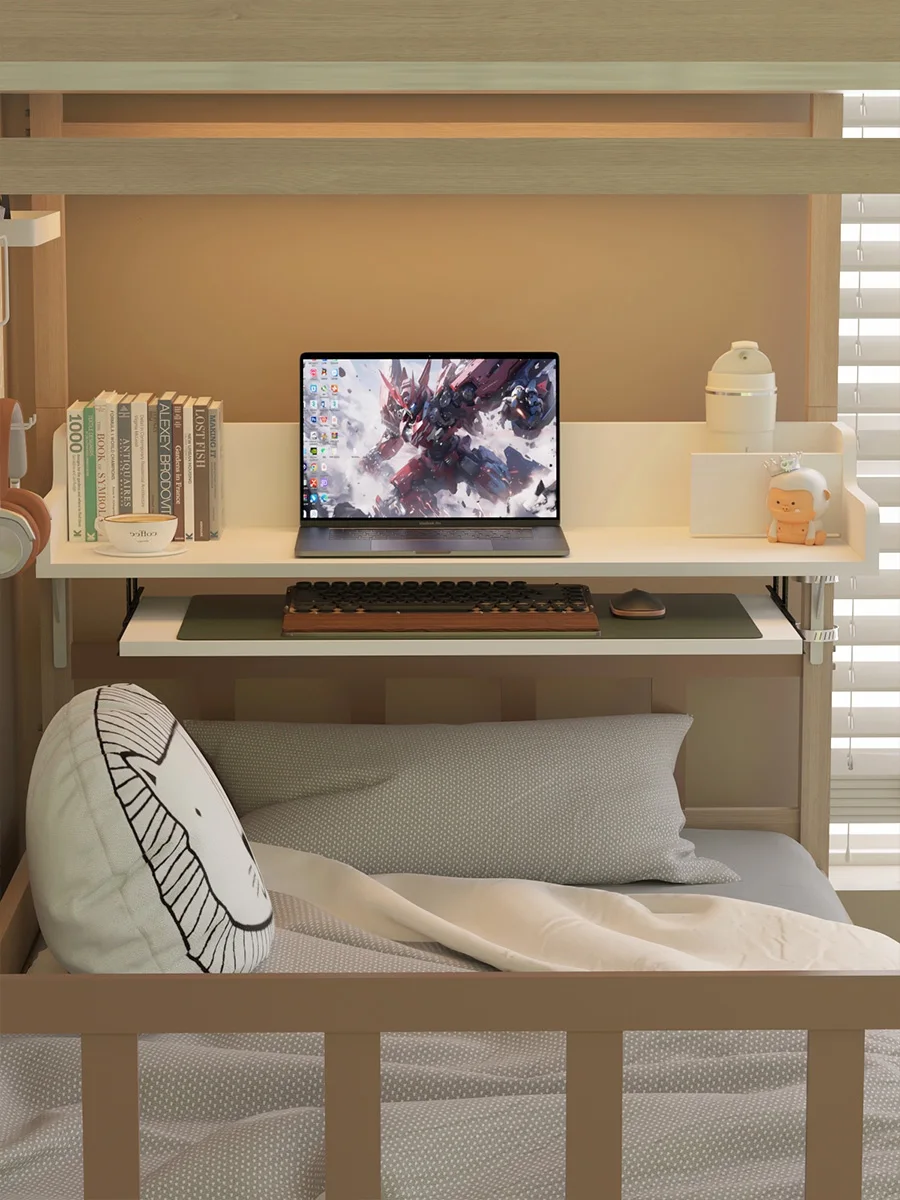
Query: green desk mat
column 258, row 618
column 707, row 615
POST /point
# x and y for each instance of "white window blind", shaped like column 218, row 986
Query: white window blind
column 865, row 789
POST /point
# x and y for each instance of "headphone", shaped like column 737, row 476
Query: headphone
column 24, row 518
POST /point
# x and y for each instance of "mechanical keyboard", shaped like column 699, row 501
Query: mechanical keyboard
column 431, row 609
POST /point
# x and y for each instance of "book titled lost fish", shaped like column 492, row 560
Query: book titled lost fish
column 200, row 411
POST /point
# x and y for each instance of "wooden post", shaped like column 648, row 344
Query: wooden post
column 353, row 1116
column 39, row 368
column 824, row 275
column 593, row 1116
column 110, row 1115
column 815, row 736
column 835, row 1072
column 822, row 350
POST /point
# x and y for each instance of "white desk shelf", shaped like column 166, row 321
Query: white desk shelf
column 617, row 525
column 30, row 228
column 153, row 633
column 619, row 552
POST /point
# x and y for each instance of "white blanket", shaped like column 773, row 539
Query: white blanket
column 521, row 925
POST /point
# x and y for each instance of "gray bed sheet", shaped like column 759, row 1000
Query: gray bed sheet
column 774, row 869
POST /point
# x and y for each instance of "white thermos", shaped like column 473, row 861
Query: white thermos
column 740, row 401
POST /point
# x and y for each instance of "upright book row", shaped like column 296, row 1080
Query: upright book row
column 145, row 454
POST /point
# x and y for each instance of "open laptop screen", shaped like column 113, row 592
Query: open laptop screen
column 449, row 437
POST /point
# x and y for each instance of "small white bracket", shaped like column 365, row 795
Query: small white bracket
column 60, row 623
column 24, row 426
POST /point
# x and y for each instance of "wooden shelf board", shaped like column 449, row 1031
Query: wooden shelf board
column 581, row 33
column 153, row 633
column 504, row 77
column 450, row 166
column 375, row 128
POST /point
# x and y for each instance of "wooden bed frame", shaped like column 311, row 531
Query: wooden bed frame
column 505, row 47
column 109, row 1012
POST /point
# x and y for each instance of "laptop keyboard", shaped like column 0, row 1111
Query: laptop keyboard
column 424, row 534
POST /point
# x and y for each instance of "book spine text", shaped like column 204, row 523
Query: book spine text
column 178, row 469
column 201, row 474
column 139, row 462
column 110, row 414
column 123, row 441
column 153, row 455
column 188, row 435
column 164, row 456
column 215, row 469
column 75, row 470
column 90, row 472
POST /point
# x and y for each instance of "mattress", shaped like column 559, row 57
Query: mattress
column 774, row 869
column 707, row 1116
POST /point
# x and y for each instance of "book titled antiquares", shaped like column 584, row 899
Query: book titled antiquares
column 123, row 428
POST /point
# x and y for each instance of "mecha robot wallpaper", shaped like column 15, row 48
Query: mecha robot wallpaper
column 437, row 437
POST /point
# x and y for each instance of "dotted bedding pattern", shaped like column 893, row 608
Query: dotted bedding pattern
column 707, row 1116
column 591, row 800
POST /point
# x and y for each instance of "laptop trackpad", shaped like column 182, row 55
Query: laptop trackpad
column 409, row 546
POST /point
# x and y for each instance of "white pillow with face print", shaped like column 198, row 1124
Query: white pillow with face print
column 136, row 858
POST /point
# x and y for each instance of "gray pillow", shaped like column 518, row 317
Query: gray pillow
column 589, row 800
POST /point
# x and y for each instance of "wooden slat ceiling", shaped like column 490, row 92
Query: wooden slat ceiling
column 450, row 166
column 523, row 45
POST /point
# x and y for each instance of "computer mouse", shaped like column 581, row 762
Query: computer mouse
column 637, row 605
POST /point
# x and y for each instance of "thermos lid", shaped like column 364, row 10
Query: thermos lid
column 742, row 370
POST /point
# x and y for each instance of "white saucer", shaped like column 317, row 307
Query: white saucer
column 112, row 552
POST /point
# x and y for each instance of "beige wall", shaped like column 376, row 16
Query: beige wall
column 220, row 295
column 638, row 295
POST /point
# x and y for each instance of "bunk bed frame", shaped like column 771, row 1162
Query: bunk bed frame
column 511, row 48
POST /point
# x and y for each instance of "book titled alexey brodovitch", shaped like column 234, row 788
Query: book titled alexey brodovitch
column 141, row 453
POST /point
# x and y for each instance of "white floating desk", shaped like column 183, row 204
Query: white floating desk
column 153, row 633
column 625, row 497
column 659, row 551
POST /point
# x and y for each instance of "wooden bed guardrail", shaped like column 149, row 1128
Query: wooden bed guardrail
column 109, row 1011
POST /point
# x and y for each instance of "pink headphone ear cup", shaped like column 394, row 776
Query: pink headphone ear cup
column 36, row 510
column 8, row 506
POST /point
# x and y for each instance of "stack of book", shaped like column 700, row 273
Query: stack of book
column 145, row 454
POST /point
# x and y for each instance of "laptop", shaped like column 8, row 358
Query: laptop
column 431, row 454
